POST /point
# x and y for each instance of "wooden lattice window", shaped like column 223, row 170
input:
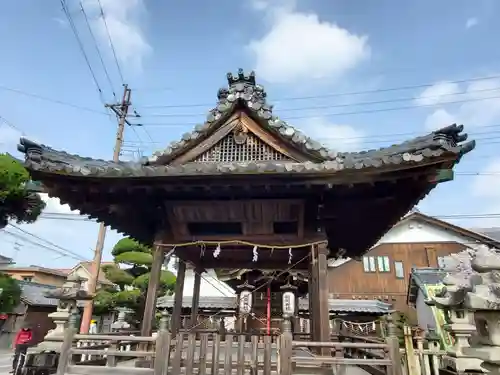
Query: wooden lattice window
column 240, row 149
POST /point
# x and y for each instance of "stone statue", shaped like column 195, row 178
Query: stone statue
column 460, row 279
column 484, row 302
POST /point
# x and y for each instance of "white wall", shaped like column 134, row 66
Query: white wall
column 414, row 231
column 210, row 286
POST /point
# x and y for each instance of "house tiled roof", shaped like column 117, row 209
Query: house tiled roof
column 336, row 305
column 33, row 294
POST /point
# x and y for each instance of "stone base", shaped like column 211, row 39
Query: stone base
column 462, row 364
column 144, row 363
column 41, row 363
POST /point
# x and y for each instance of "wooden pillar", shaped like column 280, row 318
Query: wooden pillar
column 322, row 314
column 296, row 319
column 196, row 297
column 179, row 291
column 313, row 295
column 154, row 281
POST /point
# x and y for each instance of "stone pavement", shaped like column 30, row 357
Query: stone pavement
column 5, row 361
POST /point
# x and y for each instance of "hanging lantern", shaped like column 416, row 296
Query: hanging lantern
column 245, row 298
column 288, row 299
column 245, row 302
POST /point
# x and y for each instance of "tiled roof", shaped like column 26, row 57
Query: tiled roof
column 34, row 294
column 490, row 232
column 336, row 305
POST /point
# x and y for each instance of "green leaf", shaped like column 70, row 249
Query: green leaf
column 16, row 202
column 127, row 244
column 167, row 281
column 118, row 276
column 134, row 257
column 11, row 293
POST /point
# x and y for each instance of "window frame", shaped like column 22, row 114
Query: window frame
column 369, row 264
column 399, row 275
column 383, row 264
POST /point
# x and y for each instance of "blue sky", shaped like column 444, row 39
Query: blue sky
column 179, row 55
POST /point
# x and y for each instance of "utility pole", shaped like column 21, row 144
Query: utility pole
column 121, row 111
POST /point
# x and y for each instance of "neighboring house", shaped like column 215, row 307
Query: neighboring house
column 421, row 282
column 5, row 261
column 33, row 309
column 383, row 273
column 83, row 270
column 35, row 274
column 210, row 285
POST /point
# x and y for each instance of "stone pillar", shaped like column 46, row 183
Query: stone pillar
column 178, row 296
column 484, row 302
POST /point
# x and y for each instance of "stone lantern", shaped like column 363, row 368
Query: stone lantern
column 484, row 301
column 459, row 321
column 68, row 295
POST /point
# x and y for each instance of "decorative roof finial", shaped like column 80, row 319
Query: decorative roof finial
column 241, row 78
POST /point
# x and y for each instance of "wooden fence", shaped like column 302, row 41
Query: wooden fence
column 206, row 352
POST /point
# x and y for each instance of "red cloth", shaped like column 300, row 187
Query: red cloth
column 23, row 337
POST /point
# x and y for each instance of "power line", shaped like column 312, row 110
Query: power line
column 44, row 240
column 344, row 105
column 338, row 113
column 331, row 95
column 43, row 246
column 55, row 101
column 81, row 47
column 97, row 49
column 111, row 41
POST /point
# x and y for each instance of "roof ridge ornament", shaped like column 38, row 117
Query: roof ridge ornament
column 241, row 78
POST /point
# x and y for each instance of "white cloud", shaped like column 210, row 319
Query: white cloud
column 471, row 22
column 53, row 205
column 437, row 93
column 482, row 109
column 300, row 46
column 485, row 187
column 339, row 137
column 124, row 28
column 8, row 136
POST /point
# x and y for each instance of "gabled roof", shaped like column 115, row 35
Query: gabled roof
column 392, row 179
column 87, row 266
column 481, row 238
column 243, row 93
